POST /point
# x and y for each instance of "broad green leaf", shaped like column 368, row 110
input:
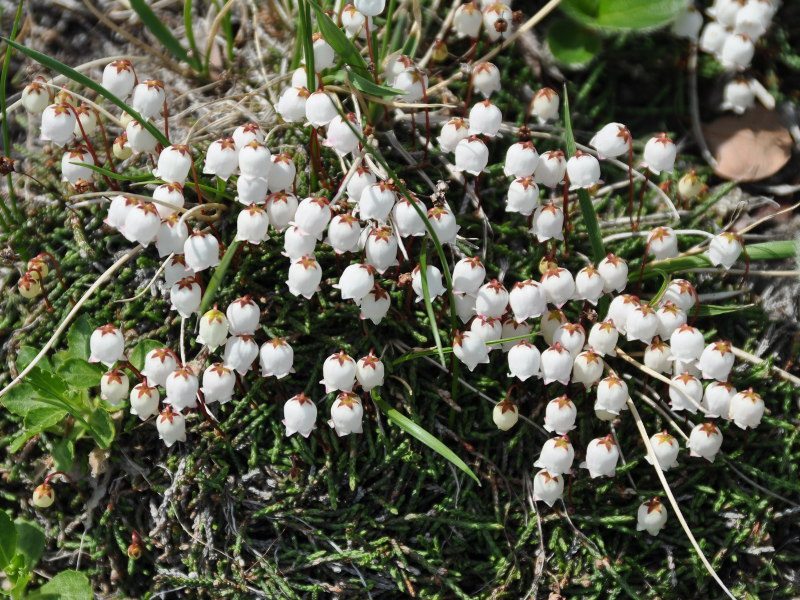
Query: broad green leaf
column 162, row 32
column 78, row 337
column 103, row 429
column 30, row 541
column 373, row 89
column 8, row 540
column 81, row 374
column 22, row 399
column 63, row 452
column 139, row 353
column 19, row 441
column 587, row 208
column 85, row 81
column 26, row 355
column 340, row 43
column 572, row 44
column 68, row 585
column 47, row 384
column 420, row 433
column 42, row 418
column 624, row 14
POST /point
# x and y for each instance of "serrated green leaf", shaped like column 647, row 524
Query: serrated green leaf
column 81, row 374
column 340, row 43
column 368, row 86
column 624, row 14
column 68, row 585
column 8, row 540
column 63, row 452
column 26, row 355
column 41, row 418
column 161, row 32
column 85, row 81
column 571, row 44
column 103, row 429
column 30, row 541
column 421, row 434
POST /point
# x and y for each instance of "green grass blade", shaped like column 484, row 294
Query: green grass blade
column 368, row 86
column 587, row 208
column 80, row 78
column 422, row 434
column 217, row 277
column 114, row 175
column 6, row 135
column 162, row 33
column 423, row 273
column 189, row 26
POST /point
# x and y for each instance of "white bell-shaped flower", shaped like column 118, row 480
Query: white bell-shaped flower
column 252, row 224
column 324, row 56
column 281, row 209
column 738, row 95
column 71, row 171
column 356, row 281
column 282, row 172
column 86, row 121
column 514, row 329
column 523, row 196
column 547, row 488
column 686, row 343
column 737, row 52
column 705, row 440
column 407, row 221
column 344, row 231
column 359, row 181
column 380, row 249
column 670, row 317
column 58, row 124
column 213, row 328
column 527, row 300
column 472, row 155
column 148, row 98
column 240, row 353
column 713, row 37
column 222, row 159
column 354, row 23
column 174, row 163
column 612, row 395
column 486, row 79
column 467, row 20
column 489, row 329
column 571, row 336
column 377, row 201
column 181, row 387
column 556, row 364
column 453, row 131
column 168, row 199
column 717, row 399
column 491, row 299
column 36, row 95
column 589, row 284
column 658, row 357
column 243, row 315
column 106, row 345
column 685, row 393
column 276, row 358
column 716, row 361
column 297, row 243
column 725, row 249
column 651, row 516
column 185, row 296
column 435, row 284
column 548, row 223
column 218, row 384
column 583, row 170
column 602, row 455
column 551, row 168
column 175, row 270
column 545, row 105
column 370, row 371
column 244, row 134
column 681, row 293
column 144, row 400
column 485, row 119
column 158, row 364
column 690, row 186
column 559, row 415
column 587, row 368
column 663, row 243
column 342, row 137
column 139, row 138
column 142, row 223
column 620, row 309
column 255, row 161
column 114, row 386
column 612, row 140
column 556, row 456
column 665, row 449
column 660, row 153
column 338, row 372
column 558, row 285
column 119, row 78
column 172, row 235
column 725, row 11
column 470, row 349
column 497, row 19
column 313, row 215
column 201, row 251
column 551, row 321
column 292, row 104
column 299, row 415
column 171, row 426
column 505, row 415
column 524, row 360
column 746, row 409
column 413, row 82
column 320, row 109
column 641, row 324
column 375, row 305
column 443, row 222
column 370, row 8
column 753, row 20
column 304, row 276
column 614, row 272
column 603, row 338
column 346, row 414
